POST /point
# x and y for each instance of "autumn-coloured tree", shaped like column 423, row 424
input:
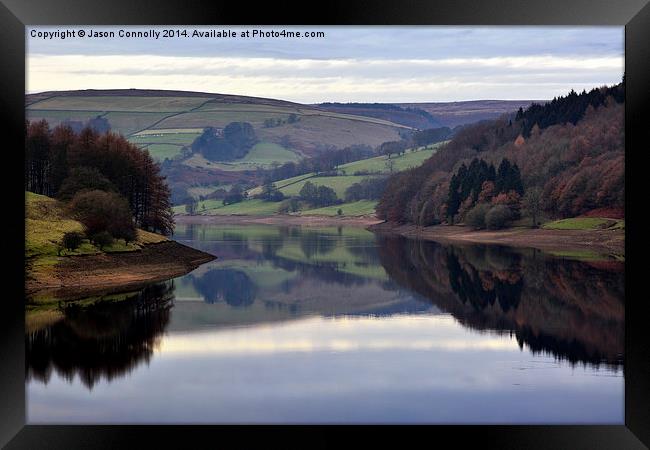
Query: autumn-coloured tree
column 575, row 157
column 532, row 203
column 52, row 156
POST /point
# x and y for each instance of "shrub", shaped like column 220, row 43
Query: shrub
column 366, row 189
column 326, row 196
column 103, row 211
column 124, row 230
column 102, row 239
column 308, row 192
column 339, row 212
column 235, row 195
column 270, row 193
column 84, row 179
column 191, row 205
column 72, row 240
column 476, row 216
column 498, row 217
column 294, row 205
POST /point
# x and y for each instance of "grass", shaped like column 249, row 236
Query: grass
column 164, row 144
column 339, row 184
column 46, row 221
column 202, row 119
column 583, row 223
column 164, row 138
column 282, row 183
column 169, row 131
column 197, row 191
column 120, row 103
column 131, row 122
column 160, row 152
column 583, row 255
column 143, row 115
column 147, row 237
column 291, row 187
column 121, row 122
column 410, row 159
column 358, row 208
column 54, row 117
column 45, row 224
column 253, row 207
column 619, row 225
column 265, row 153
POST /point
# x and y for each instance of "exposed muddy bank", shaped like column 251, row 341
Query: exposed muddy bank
column 606, row 242
column 80, row 276
column 361, row 221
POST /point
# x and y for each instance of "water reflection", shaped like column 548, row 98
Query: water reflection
column 304, row 307
column 572, row 309
column 108, row 338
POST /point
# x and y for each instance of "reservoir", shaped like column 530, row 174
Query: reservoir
column 339, row 325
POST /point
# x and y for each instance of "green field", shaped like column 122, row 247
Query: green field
column 164, row 144
column 197, row 191
column 291, row 187
column 161, row 151
column 202, row 119
column 122, row 122
column 584, row 223
column 358, row 208
column 170, row 131
column 120, row 103
column 137, row 114
column 252, row 107
column 164, row 138
column 252, row 207
column 411, row 158
column 263, row 154
column 46, row 221
column 339, row 184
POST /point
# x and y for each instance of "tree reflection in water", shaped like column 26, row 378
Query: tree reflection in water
column 571, row 309
column 106, row 339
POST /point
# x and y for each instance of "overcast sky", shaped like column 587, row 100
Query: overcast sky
column 350, row 64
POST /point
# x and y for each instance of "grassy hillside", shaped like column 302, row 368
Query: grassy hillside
column 174, row 118
column 263, row 155
column 46, row 221
column 411, row 158
column 409, row 116
column 291, row 187
column 375, row 165
column 252, row 207
column 585, row 223
column 351, row 209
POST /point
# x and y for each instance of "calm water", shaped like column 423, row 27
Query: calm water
column 338, row 325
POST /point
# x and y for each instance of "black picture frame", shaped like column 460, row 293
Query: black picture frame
column 633, row 14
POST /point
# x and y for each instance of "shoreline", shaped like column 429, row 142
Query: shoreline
column 83, row 276
column 606, row 242
column 358, row 221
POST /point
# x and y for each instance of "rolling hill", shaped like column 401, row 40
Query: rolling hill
column 452, row 114
column 411, row 116
column 347, row 175
column 165, row 121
